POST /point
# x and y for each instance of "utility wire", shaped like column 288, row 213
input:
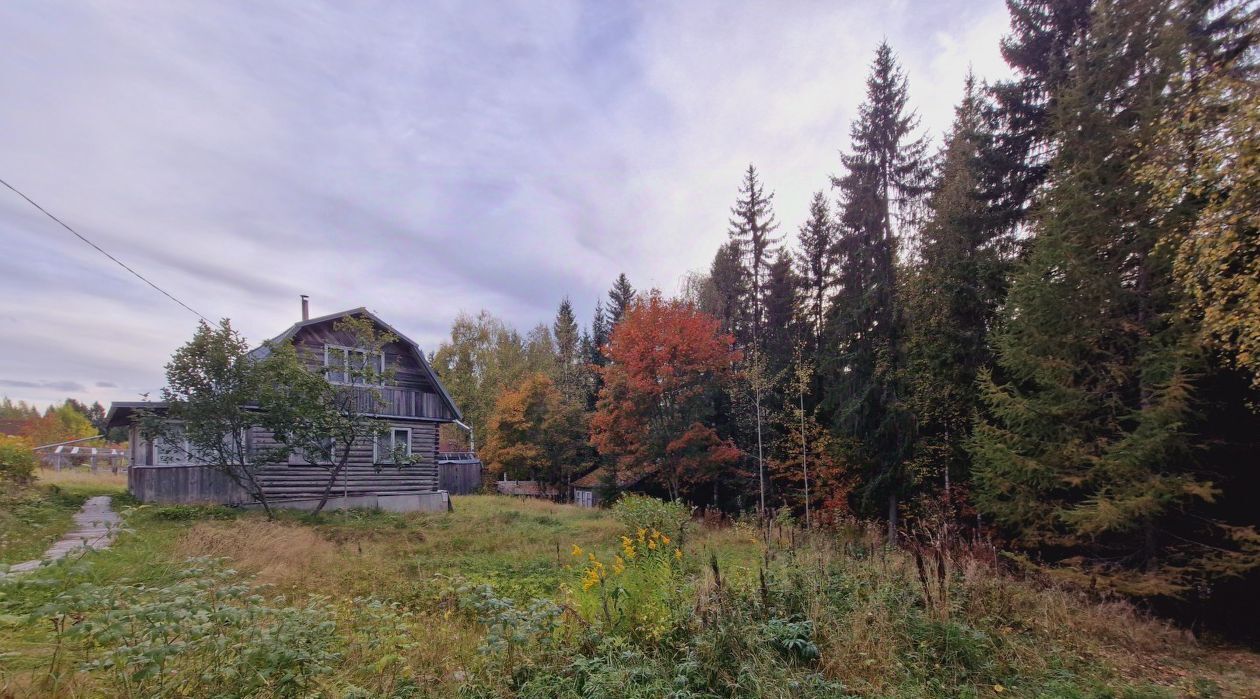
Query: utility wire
column 101, row 250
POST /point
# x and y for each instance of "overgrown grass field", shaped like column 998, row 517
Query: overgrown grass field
column 506, row 597
column 35, row 515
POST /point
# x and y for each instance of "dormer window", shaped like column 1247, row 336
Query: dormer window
column 347, row 365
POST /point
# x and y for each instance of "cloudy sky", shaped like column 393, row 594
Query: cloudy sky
column 417, row 158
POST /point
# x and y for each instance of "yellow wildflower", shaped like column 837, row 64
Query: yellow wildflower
column 642, row 534
column 678, row 553
column 591, row 579
column 619, row 566
column 577, row 550
column 664, row 539
column 652, row 545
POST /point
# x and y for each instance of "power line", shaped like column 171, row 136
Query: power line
column 101, row 250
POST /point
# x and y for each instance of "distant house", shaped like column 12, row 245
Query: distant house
column 587, row 489
column 414, row 405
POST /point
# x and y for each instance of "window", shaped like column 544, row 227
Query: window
column 394, row 443
column 300, row 457
column 349, row 365
column 173, row 448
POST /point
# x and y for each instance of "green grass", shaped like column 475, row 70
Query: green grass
column 805, row 617
column 34, row 515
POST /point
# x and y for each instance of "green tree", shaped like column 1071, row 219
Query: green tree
column 727, row 289
column 1044, row 35
column 881, row 189
column 816, row 262
column 1088, row 449
column 481, row 358
column 569, row 357
column 953, row 297
column 17, row 460
column 211, row 393
column 620, row 296
column 752, row 228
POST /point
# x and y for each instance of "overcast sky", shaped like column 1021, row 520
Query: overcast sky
column 417, row 158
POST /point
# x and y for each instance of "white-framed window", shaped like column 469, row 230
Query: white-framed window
column 343, row 363
column 174, row 449
column 396, row 440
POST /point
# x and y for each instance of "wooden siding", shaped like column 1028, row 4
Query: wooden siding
column 362, row 475
column 459, row 478
column 184, row 485
column 409, row 394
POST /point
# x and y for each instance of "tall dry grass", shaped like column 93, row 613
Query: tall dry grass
column 83, row 479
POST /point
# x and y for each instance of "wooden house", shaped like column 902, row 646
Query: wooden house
column 413, row 404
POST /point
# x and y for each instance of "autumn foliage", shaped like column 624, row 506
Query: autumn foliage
column 666, row 362
column 535, row 433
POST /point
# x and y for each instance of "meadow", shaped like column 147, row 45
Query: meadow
column 508, row 597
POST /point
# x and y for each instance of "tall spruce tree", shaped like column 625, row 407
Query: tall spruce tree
column 953, row 297
column 595, row 347
column 752, row 228
column 815, row 264
column 783, row 327
column 620, row 296
column 1044, row 34
column 1087, row 449
column 882, row 187
column 726, row 277
column 569, row 361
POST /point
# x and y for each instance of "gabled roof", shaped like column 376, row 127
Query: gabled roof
column 264, row 350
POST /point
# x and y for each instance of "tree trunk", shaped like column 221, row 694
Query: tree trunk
column 332, row 480
column 892, row 519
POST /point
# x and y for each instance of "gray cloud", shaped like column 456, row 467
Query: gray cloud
column 69, row 386
column 419, row 159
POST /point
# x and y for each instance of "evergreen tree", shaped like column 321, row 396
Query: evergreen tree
column 752, row 228
column 599, row 334
column 1087, row 449
column 782, row 331
column 620, row 296
column 595, row 357
column 569, row 359
column 726, row 278
column 953, row 298
column 816, row 261
column 1044, row 33
column 881, row 189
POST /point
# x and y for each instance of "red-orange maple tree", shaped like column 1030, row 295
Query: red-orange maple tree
column 667, row 360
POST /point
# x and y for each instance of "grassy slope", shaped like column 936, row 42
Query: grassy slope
column 872, row 634
column 34, row 516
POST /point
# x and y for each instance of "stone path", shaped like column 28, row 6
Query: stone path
column 96, row 524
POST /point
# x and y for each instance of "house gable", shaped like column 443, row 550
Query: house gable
column 415, row 388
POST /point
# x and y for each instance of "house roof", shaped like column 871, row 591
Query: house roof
column 265, row 349
column 121, row 412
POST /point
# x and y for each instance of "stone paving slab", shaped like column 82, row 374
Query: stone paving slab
column 96, row 524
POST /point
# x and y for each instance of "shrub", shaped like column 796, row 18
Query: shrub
column 17, row 459
column 640, row 512
column 203, row 635
column 638, row 592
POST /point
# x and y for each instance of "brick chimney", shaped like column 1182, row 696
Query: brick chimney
column 306, row 307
